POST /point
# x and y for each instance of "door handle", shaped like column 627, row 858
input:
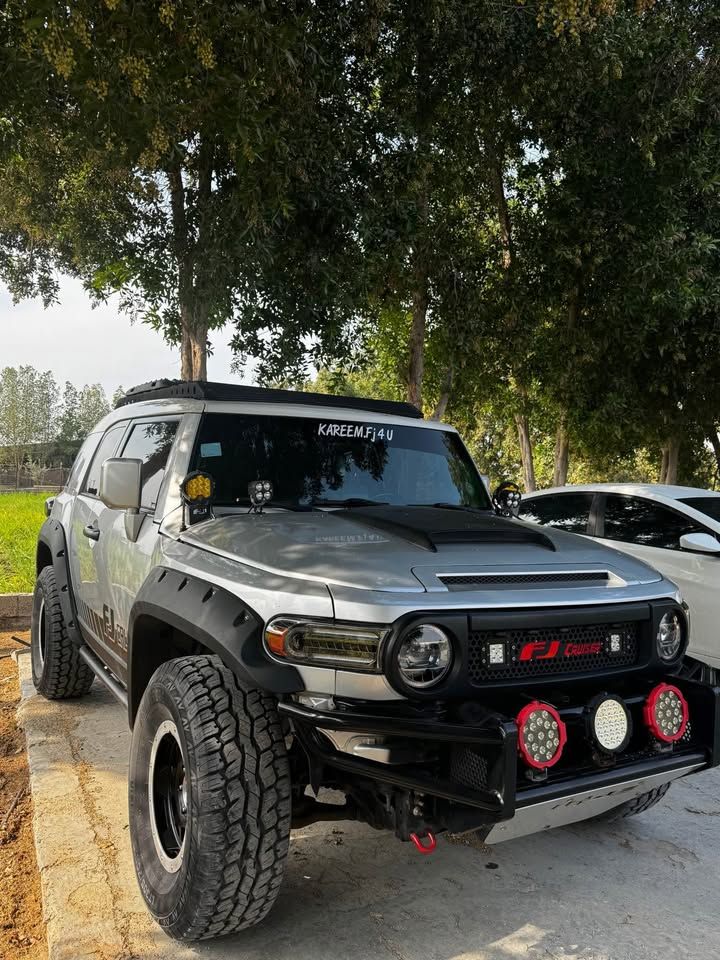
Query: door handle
column 91, row 531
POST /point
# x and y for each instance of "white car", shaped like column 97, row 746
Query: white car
column 674, row 529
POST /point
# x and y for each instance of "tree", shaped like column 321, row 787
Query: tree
column 28, row 399
column 152, row 153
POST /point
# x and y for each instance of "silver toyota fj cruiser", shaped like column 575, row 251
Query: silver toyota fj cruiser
column 291, row 592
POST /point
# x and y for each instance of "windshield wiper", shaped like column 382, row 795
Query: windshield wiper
column 450, row 506
column 349, row 502
column 278, row 504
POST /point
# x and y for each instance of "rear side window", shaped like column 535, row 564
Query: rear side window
column 648, row 524
column 151, row 443
column 107, row 448
column 567, row 511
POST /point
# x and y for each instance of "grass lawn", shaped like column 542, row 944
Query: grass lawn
column 21, row 515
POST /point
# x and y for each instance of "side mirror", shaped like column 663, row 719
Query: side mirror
column 699, row 543
column 506, row 499
column 120, row 484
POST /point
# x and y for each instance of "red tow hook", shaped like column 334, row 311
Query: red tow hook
column 424, row 847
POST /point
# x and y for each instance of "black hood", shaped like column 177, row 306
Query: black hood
column 431, row 527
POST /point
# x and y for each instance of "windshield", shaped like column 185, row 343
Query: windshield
column 710, row 506
column 326, row 462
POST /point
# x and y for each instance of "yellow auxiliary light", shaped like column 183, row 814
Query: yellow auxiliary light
column 197, row 491
column 198, row 486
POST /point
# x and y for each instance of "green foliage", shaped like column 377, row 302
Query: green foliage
column 28, row 402
column 153, row 149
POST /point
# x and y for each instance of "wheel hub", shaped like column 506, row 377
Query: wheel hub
column 42, row 639
column 167, row 796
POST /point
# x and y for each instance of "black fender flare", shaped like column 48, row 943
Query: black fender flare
column 52, row 551
column 214, row 618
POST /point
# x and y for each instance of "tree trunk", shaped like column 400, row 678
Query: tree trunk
column 444, row 399
column 416, row 366
column 498, row 187
column 526, row 451
column 420, row 246
column 671, row 455
column 715, row 442
column 199, row 351
column 186, row 352
column 562, row 454
column 193, row 318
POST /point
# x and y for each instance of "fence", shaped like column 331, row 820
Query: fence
column 43, row 478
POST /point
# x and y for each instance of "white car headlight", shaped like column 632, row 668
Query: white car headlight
column 670, row 636
column 424, row 655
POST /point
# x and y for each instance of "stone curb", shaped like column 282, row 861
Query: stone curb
column 15, row 611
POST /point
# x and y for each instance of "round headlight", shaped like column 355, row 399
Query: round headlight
column 424, row 656
column 669, row 636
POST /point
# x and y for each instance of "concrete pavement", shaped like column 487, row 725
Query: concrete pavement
column 641, row 891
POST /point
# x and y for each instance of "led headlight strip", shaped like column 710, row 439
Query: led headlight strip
column 326, row 644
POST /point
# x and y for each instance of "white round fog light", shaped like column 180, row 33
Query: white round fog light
column 610, row 724
column 424, row 656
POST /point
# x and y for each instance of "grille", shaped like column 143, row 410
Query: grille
column 480, row 670
column 468, row 768
column 453, row 582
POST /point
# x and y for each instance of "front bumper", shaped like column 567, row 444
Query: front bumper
column 504, row 801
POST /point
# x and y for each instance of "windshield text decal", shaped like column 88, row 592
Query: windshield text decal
column 362, row 430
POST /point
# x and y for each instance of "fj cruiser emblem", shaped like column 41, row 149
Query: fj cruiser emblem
column 550, row 649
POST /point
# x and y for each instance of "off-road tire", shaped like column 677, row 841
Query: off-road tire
column 226, row 873
column 58, row 671
column 638, row 805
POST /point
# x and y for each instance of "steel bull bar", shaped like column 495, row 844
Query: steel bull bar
column 509, row 809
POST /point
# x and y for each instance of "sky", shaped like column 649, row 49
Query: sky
column 100, row 345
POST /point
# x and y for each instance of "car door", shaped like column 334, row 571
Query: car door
column 86, row 570
column 124, row 563
column 651, row 531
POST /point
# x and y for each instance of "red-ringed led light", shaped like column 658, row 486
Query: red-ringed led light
column 666, row 713
column 541, row 735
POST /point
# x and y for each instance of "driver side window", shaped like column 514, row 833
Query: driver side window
column 151, row 442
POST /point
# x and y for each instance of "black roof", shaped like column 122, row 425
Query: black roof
column 208, row 390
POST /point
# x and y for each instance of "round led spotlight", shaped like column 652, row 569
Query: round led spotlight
column 541, row 735
column 669, row 636
column 666, row 713
column 424, row 656
column 609, row 722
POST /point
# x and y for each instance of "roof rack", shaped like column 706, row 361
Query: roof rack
column 209, row 390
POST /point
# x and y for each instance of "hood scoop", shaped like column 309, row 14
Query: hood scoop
column 581, row 578
column 431, row 527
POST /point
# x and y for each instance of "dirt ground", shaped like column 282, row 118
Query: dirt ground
column 22, row 930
